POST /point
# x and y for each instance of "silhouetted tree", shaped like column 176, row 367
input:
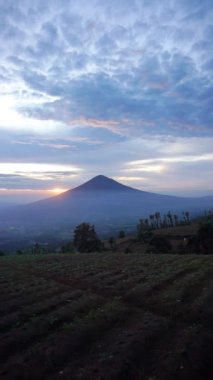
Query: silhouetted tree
column 111, row 242
column 140, row 228
column 159, row 244
column 146, row 222
column 143, row 231
column 121, row 234
column 158, row 219
column 175, row 220
column 36, row 249
column 187, row 217
column 165, row 221
column 205, row 238
column 202, row 242
column 86, row 239
column 19, row 252
column 169, row 216
column 152, row 218
column 67, row 247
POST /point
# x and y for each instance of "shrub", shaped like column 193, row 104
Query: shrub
column 159, row 244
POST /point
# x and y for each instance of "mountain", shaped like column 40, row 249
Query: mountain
column 101, row 201
column 102, row 183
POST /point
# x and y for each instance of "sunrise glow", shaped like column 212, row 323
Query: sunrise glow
column 122, row 95
column 57, row 190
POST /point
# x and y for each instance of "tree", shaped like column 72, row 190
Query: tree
column 146, row 222
column 202, row 242
column 187, row 217
column 36, row 249
column 112, row 242
column 159, row 244
column 121, row 234
column 19, row 252
column 152, row 218
column 175, row 220
column 165, row 221
column 86, row 239
column 141, row 228
column 158, row 219
column 143, row 231
column 169, row 216
column 67, row 247
column 205, row 238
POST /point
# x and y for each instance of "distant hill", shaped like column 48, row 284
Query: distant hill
column 101, row 201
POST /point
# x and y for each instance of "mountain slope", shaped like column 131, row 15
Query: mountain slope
column 100, row 200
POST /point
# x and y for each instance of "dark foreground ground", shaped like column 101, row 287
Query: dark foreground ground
column 98, row 316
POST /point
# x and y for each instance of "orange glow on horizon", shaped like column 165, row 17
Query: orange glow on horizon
column 57, row 190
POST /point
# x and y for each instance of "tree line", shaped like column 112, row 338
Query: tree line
column 157, row 221
column 86, row 239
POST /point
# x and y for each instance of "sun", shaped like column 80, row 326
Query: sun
column 57, row 190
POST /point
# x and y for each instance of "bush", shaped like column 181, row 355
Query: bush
column 159, row 244
column 202, row 242
column 121, row 234
column 205, row 238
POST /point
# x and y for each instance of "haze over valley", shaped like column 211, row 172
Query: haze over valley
column 109, row 205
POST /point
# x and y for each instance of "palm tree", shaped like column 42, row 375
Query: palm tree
column 187, row 217
column 169, row 216
column 111, row 242
column 176, row 220
column 152, row 217
column 146, row 222
column 165, row 221
column 158, row 219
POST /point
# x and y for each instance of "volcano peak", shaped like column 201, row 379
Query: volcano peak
column 101, row 182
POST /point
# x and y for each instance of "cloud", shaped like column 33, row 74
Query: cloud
column 179, row 159
column 16, row 174
column 79, row 79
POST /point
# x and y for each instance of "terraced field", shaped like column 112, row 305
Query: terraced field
column 106, row 316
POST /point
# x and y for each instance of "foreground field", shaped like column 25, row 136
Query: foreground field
column 106, row 317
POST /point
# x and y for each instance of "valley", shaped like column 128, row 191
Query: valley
column 108, row 204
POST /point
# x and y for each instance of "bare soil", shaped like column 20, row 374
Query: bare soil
column 106, row 316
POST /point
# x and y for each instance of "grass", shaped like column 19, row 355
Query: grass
column 101, row 316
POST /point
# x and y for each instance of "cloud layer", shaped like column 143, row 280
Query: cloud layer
column 96, row 85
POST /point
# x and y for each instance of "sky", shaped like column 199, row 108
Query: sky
column 121, row 88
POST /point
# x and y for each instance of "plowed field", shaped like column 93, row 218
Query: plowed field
column 106, row 316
